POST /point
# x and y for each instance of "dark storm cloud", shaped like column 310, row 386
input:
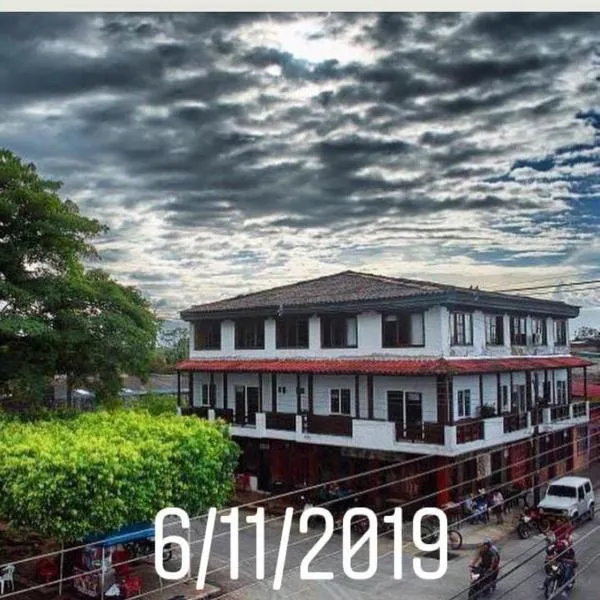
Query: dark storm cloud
column 304, row 121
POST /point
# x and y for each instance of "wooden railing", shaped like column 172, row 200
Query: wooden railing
column 515, row 422
column 579, row 409
column 329, row 425
column 199, row 411
column 429, row 433
column 469, row 431
column 224, row 413
column 281, row 421
column 559, row 413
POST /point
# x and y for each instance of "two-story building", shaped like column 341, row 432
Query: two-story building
column 350, row 372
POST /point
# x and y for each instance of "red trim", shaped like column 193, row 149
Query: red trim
column 384, row 367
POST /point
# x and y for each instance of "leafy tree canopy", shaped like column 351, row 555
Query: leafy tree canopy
column 56, row 317
column 90, row 474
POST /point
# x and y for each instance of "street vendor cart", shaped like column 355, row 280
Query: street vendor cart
column 104, row 566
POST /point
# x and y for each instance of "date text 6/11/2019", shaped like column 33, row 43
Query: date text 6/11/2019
column 315, row 515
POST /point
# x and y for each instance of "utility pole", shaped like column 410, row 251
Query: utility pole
column 536, row 468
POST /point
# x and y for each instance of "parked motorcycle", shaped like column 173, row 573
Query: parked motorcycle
column 481, row 583
column 531, row 522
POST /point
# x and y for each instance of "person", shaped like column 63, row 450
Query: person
column 498, row 506
column 565, row 554
column 488, row 557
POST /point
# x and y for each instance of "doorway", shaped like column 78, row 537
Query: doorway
column 246, row 404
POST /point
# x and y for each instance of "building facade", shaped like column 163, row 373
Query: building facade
column 351, row 372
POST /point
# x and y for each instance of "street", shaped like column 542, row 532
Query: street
column 525, row 580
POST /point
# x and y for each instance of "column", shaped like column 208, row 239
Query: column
column 442, row 480
column 370, row 396
column 179, row 389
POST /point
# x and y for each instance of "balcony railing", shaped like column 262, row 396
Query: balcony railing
column 281, row 421
column 329, row 425
column 199, row 411
column 429, row 433
column 559, row 413
column 224, row 413
column 579, row 409
column 515, row 422
column 469, row 431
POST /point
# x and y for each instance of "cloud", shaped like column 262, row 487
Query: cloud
column 266, row 147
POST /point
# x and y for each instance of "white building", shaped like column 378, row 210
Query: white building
column 349, row 371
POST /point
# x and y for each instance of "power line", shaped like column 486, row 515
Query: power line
column 304, row 540
column 304, row 490
column 542, row 287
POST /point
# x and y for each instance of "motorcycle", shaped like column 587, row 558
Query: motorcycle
column 482, row 584
column 532, row 521
column 555, row 579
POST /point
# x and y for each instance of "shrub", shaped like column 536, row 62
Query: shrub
column 156, row 404
column 69, row 478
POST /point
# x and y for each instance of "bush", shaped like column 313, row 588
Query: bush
column 69, row 478
column 156, row 404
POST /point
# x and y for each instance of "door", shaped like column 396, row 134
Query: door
column 395, row 406
column 251, row 404
column 414, row 409
column 240, row 404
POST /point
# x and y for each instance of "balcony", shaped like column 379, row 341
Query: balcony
column 378, row 435
column 329, row 425
column 428, row 433
column 469, row 431
column 565, row 415
column 280, row 421
column 515, row 422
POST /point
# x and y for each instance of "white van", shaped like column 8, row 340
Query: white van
column 571, row 497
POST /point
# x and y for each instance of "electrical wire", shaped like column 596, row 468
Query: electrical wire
column 304, row 540
column 344, row 479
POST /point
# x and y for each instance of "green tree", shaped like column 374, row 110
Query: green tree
column 72, row 477
column 56, row 317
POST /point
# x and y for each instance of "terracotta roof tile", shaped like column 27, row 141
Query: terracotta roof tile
column 372, row 366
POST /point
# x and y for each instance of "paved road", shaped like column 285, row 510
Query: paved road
column 522, row 584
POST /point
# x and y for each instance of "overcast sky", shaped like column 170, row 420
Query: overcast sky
column 229, row 153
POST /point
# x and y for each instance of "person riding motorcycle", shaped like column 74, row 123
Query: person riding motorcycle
column 565, row 555
column 488, row 557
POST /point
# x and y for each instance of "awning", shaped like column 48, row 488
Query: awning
column 370, row 366
column 130, row 533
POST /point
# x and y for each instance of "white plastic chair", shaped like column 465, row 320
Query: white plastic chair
column 7, row 577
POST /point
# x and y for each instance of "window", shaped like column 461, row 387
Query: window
column 292, row 333
column 209, row 395
column 561, row 392
column 560, row 332
column 250, row 334
column 494, row 330
column 518, row 331
column 505, row 406
column 581, row 493
column 339, row 402
column 461, row 329
column 338, row 332
column 403, row 329
column 538, row 332
column 207, row 335
column 464, row 403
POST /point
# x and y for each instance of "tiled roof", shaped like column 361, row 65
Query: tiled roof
column 348, row 286
column 363, row 366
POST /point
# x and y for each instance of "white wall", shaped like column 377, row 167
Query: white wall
column 369, row 330
column 437, row 340
column 425, row 385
